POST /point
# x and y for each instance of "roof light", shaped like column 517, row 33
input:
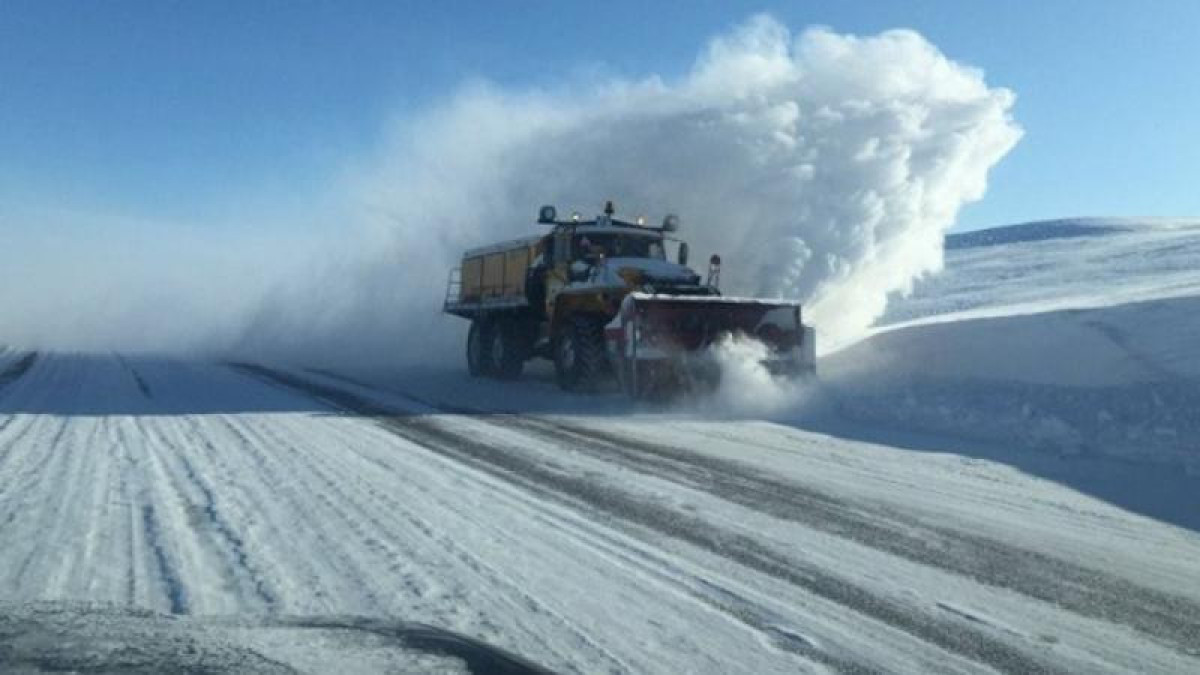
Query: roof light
column 575, row 217
column 670, row 223
column 641, row 220
column 547, row 214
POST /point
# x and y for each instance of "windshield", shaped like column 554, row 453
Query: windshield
column 615, row 245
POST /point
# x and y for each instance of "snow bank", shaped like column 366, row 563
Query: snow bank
column 1080, row 345
column 1051, row 265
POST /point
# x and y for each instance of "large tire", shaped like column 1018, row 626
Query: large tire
column 579, row 360
column 479, row 353
column 511, row 344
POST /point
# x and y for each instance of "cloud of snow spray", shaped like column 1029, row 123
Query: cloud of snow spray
column 822, row 167
column 746, row 386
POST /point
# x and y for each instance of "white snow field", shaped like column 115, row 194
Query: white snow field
column 1079, row 337
column 964, row 493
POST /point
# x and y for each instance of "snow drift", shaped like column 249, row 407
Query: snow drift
column 1076, row 337
column 823, row 167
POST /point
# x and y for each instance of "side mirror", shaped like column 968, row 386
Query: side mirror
column 683, row 253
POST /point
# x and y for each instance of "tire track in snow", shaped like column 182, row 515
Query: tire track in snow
column 495, row 579
column 221, row 492
column 656, row 518
column 222, row 534
column 85, row 504
column 177, row 595
column 22, row 477
column 57, row 500
column 137, row 377
column 278, row 476
column 209, row 518
column 669, row 573
column 137, row 569
column 38, row 484
column 515, row 596
column 197, row 560
column 320, row 484
column 166, row 546
column 375, row 534
column 1085, row 591
column 953, row 635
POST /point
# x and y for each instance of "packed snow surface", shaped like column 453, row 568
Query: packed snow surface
column 654, row 543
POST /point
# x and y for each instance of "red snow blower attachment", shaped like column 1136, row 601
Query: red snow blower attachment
column 662, row 343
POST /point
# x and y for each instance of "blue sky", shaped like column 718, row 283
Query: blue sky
column 202, row 114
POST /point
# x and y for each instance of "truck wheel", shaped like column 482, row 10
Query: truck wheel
column 509, row 349
column 579, row 355
column 479, row 353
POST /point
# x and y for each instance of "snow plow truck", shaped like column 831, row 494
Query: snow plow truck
column 599, row 298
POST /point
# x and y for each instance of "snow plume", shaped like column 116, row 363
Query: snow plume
column 822, row 167
column 746, row 386
column 93, row 282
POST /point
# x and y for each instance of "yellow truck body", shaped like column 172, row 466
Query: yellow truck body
column 496, row 274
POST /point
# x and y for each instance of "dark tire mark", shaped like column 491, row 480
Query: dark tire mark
column 233, row 546
column 509, row 464
column 176, row 593
column 1084, row 591
column 137, row 377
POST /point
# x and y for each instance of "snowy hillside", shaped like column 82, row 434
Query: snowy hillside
column 1080, row 336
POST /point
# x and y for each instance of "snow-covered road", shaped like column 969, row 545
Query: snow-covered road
column 659, row 543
